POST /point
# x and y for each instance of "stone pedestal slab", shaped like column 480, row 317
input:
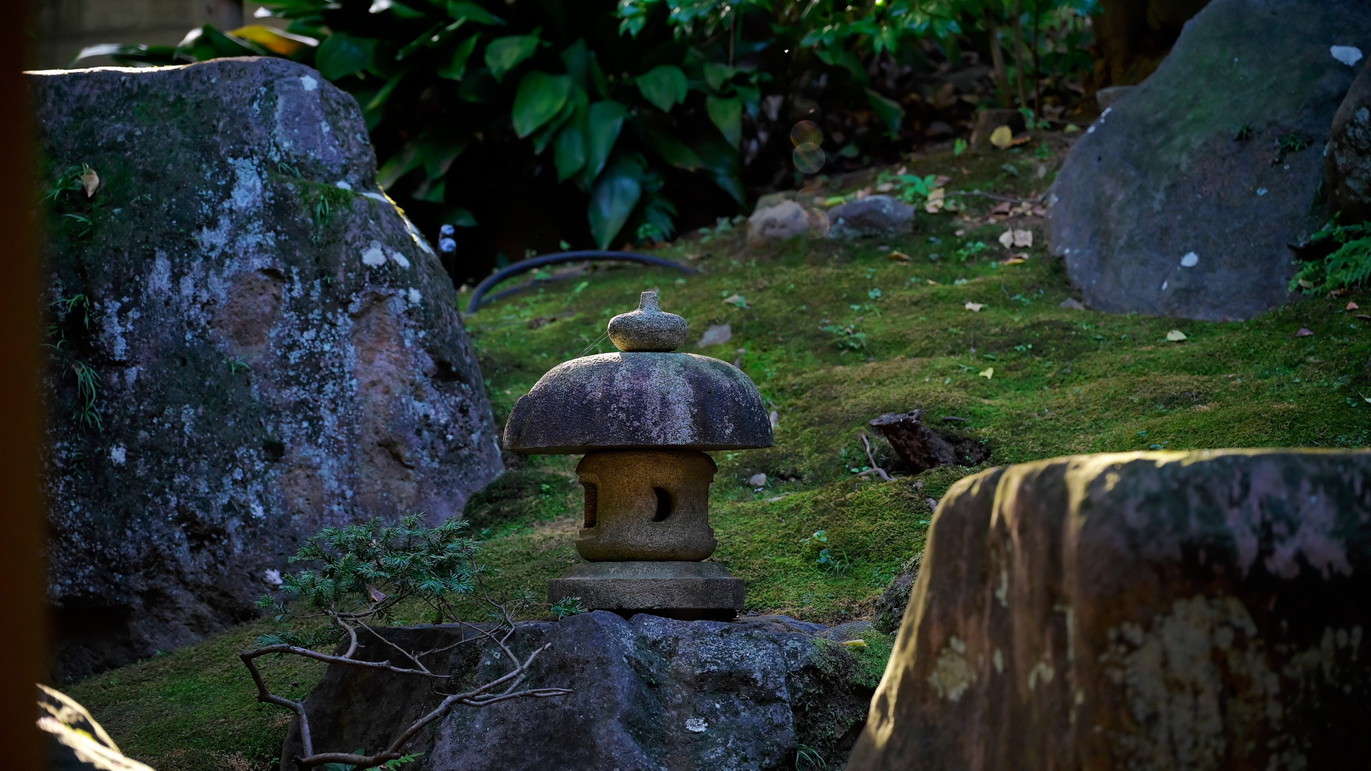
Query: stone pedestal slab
column 684, row 590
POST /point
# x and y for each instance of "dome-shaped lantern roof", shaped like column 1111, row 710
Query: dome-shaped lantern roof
column 643, row 396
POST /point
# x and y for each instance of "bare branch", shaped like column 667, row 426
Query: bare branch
column 875, row 467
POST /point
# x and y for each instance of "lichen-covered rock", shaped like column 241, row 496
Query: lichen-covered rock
column 875, row 215
column 647, row 693
column 249, row 342
column 1202, row 610
column 1347, row 169
column 786, row 219
column 1182, row 199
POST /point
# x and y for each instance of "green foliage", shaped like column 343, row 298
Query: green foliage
column 622, row 104
column 567, row 606
column 87, row 413
column 1347, row 266
column 366, row 570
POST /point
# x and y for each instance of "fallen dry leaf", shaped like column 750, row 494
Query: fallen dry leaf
column 988, row 373
column 1013, row 238
column 899, row 257
column 90, row 181
column 1017, row 259
column 974, row 307
column 717, row 334
column 937, row 198
column 1351, row 306
column 1304, row 332
column 1175, row 336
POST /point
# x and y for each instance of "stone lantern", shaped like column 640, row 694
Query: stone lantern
column 644, row 417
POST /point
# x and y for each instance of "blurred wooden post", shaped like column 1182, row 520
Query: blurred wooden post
column 21, row 547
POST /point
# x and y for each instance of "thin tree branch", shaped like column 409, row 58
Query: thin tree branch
column 871, row 458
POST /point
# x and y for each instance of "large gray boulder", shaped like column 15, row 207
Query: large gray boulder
column 249, row 342
column 1182, row 199
column 647, row 693
column 1202, row 610
column 1347, row 171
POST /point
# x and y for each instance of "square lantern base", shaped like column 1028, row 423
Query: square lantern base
column 684, row 590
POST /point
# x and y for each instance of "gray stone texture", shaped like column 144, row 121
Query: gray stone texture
column 648, row 328
column 1201, row 610
column 1347, row 166
column 646, row 505
column 688, row 590
column 783, row 220
column 875, row 215
column 275, row 349
column 647, row 693
column 639, row 400
column 1181, row 199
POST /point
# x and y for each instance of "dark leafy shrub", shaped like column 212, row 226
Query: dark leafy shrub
column 608, row 116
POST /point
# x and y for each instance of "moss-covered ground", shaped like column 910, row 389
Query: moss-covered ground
column 944, row 319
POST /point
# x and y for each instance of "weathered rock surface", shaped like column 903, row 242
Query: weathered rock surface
column 1181, row 200
column 875, row 215
column 1201, row 610
column 272, row 348
column 639, row 400
column 648, row 693
column 783, row 220
column 1347, row 169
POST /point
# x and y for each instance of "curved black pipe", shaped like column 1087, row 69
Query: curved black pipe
column 524, row 266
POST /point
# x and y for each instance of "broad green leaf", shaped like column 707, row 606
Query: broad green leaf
column 432, row 37
column 664, row 86
column 723, row 162
column 576, row 57
column 462, row 218
column 606, row 120
column 716, row 75
column 539, row 98
column 436, row 149
column 379, row 101
column 461, row 9
column 432, row 191
column 456, row 65
column 841, row 57
column 655, row 131
column 544, row 136
column 888, row 110
column 612, row 200
column 341, row 55
column 505, row 53
column 399, row 9
column 569, row 148
column 409, row 158
column 727, row 114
